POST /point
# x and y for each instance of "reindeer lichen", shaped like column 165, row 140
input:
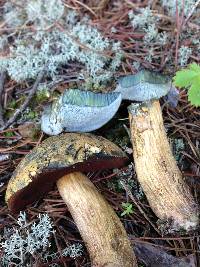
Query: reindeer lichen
column 53, row 36
column 20, row 244
column 25, row 240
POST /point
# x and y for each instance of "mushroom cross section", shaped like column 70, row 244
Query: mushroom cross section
column 168, row 194
column 79, row 111
column 62, row 160
column 143, row 86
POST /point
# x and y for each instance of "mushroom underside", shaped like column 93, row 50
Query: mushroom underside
column 44, row 182
column 62, row 160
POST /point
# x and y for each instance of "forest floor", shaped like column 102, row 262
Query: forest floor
column 182, row 124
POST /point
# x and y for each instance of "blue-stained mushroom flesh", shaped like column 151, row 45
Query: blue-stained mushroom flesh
column 143, row 86
column 79, row 111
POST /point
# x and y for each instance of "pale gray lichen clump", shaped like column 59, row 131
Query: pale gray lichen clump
column 21, row 243
column 81, row 111
column 25, row 240
column 73, row 251
column 50, row 35
column 184, row 55
column 149, row 21
column 145, row 21
column 170, row 5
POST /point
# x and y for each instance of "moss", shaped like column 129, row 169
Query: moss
column 30, row 115
column 8, row 134
column 35, row 134
column 42, row 95
column 98, row 87
column 30, row 130
column 12, row 105
column 118, row 134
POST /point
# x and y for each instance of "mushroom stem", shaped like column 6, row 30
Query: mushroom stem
column 99, row 226
column 168, row 195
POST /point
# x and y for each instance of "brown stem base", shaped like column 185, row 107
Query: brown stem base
column 99, row 226
column 157, row 172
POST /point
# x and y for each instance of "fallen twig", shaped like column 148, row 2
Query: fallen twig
column 2, row 80
column 179, row 24
column 137, row 205
column 191, row 12
column 26, row 102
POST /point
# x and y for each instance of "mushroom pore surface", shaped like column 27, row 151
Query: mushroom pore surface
column 57, row 156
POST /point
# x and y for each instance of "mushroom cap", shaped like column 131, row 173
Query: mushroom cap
column 56, row 157
column 143, row 86
column 79, row 111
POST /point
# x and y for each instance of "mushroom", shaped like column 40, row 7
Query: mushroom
column 168, row 194
column 143, row 86
column 75, row 108
column 62, row 160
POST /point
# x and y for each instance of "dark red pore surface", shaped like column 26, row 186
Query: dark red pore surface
column 44, row 182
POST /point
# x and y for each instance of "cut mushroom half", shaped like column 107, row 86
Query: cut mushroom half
column 143, row 86
column 168, row 194
column 62, row 160
column 81, row 111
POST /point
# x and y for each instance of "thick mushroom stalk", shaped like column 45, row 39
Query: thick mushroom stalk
column 156, row 168
column 63, row 160
column 99, row 226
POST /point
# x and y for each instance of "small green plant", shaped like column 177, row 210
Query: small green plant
column 128, row 208
column 12, row 104
column 42, row 95
column 30, row 115
column 9, row 134
column 190, row 78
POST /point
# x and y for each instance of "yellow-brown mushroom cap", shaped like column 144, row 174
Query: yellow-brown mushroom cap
column 55, row 157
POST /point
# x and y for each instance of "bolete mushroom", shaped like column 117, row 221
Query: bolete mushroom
column 168, row 194
column 79, row 111
column 62, row 160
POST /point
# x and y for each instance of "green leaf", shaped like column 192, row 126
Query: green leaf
column 184, row 78
column 190, row 78
column 194, row 95
column 128, row 208
column 195, row 67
